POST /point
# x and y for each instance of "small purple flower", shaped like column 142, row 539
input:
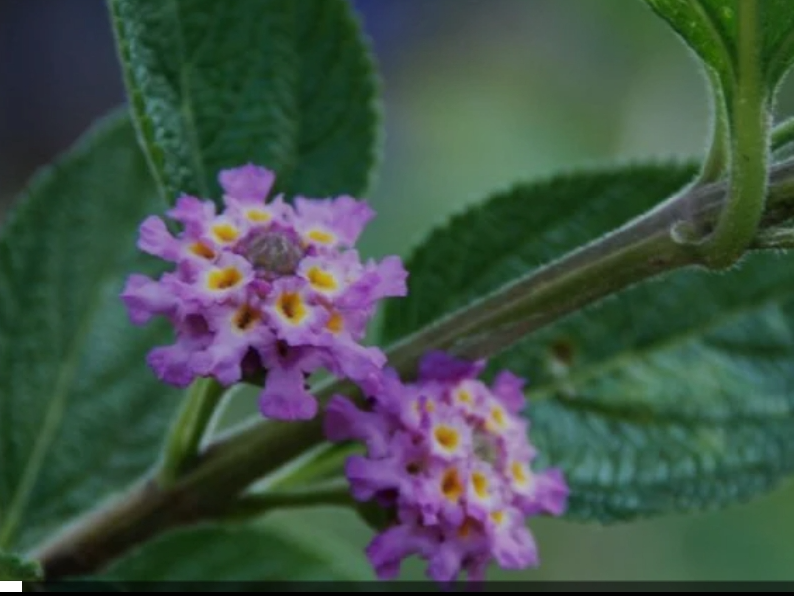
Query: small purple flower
column 263, row 286
column 451, row 456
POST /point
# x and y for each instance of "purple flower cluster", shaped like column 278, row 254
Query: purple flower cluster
column 268, row 289
column 451, row 458
column 264, row 286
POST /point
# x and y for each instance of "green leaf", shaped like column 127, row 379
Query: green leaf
column 14, row 568
column 81, row 415
column 709, row 27
column 287, row 84
column 675, row 395
column 706, row 26
column 225, row 553
column 777, row 33
column 517, row 230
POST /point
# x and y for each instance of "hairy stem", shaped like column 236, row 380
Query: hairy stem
column 184, row 437
column 774, row 239
column 636, row 252
column 717, row 157
column 641, row 249
column 249, row 506
column 205, row 492
column 782, row 135
column 749, row 127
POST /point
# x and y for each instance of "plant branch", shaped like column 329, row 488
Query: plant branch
column 639, row 250
column 249, row 506
column 184, row 437
column 782, row 135
column 717, row 157
column 205, row 492
column 749, row 128
column 774, row 239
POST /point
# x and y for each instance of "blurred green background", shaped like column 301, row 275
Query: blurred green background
column 478, row 94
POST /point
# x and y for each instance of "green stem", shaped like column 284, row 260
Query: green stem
column 184, row 437
column 717, row 158
column 782, row 135
column 318, row 464
column 226, row 468
column 204, row 492
column 249, row 506
column 774, row 239
column 739, row 220
column 535, row 302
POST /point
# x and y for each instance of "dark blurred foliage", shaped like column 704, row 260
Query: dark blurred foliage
column 59, row 72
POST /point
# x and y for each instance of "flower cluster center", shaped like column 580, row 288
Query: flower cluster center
column 273, row 253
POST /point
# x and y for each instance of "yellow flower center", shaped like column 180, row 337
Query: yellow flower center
column 464, row 396
column 202, row 250
column 322, row 280
column 225, row 232
column 519, row 474
column 468, row 526
column 429, row 406
column 447, row 437
column 258, row 215
column 335, row 324
column 246, row 317
column 497, row 420
column 292, row 307
column 322, row 236
column 451, row 486
column 498, row 517
column 223, row 279
column 480, row 483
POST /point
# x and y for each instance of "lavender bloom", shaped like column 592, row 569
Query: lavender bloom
column 264, row 286
column 452, row 459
